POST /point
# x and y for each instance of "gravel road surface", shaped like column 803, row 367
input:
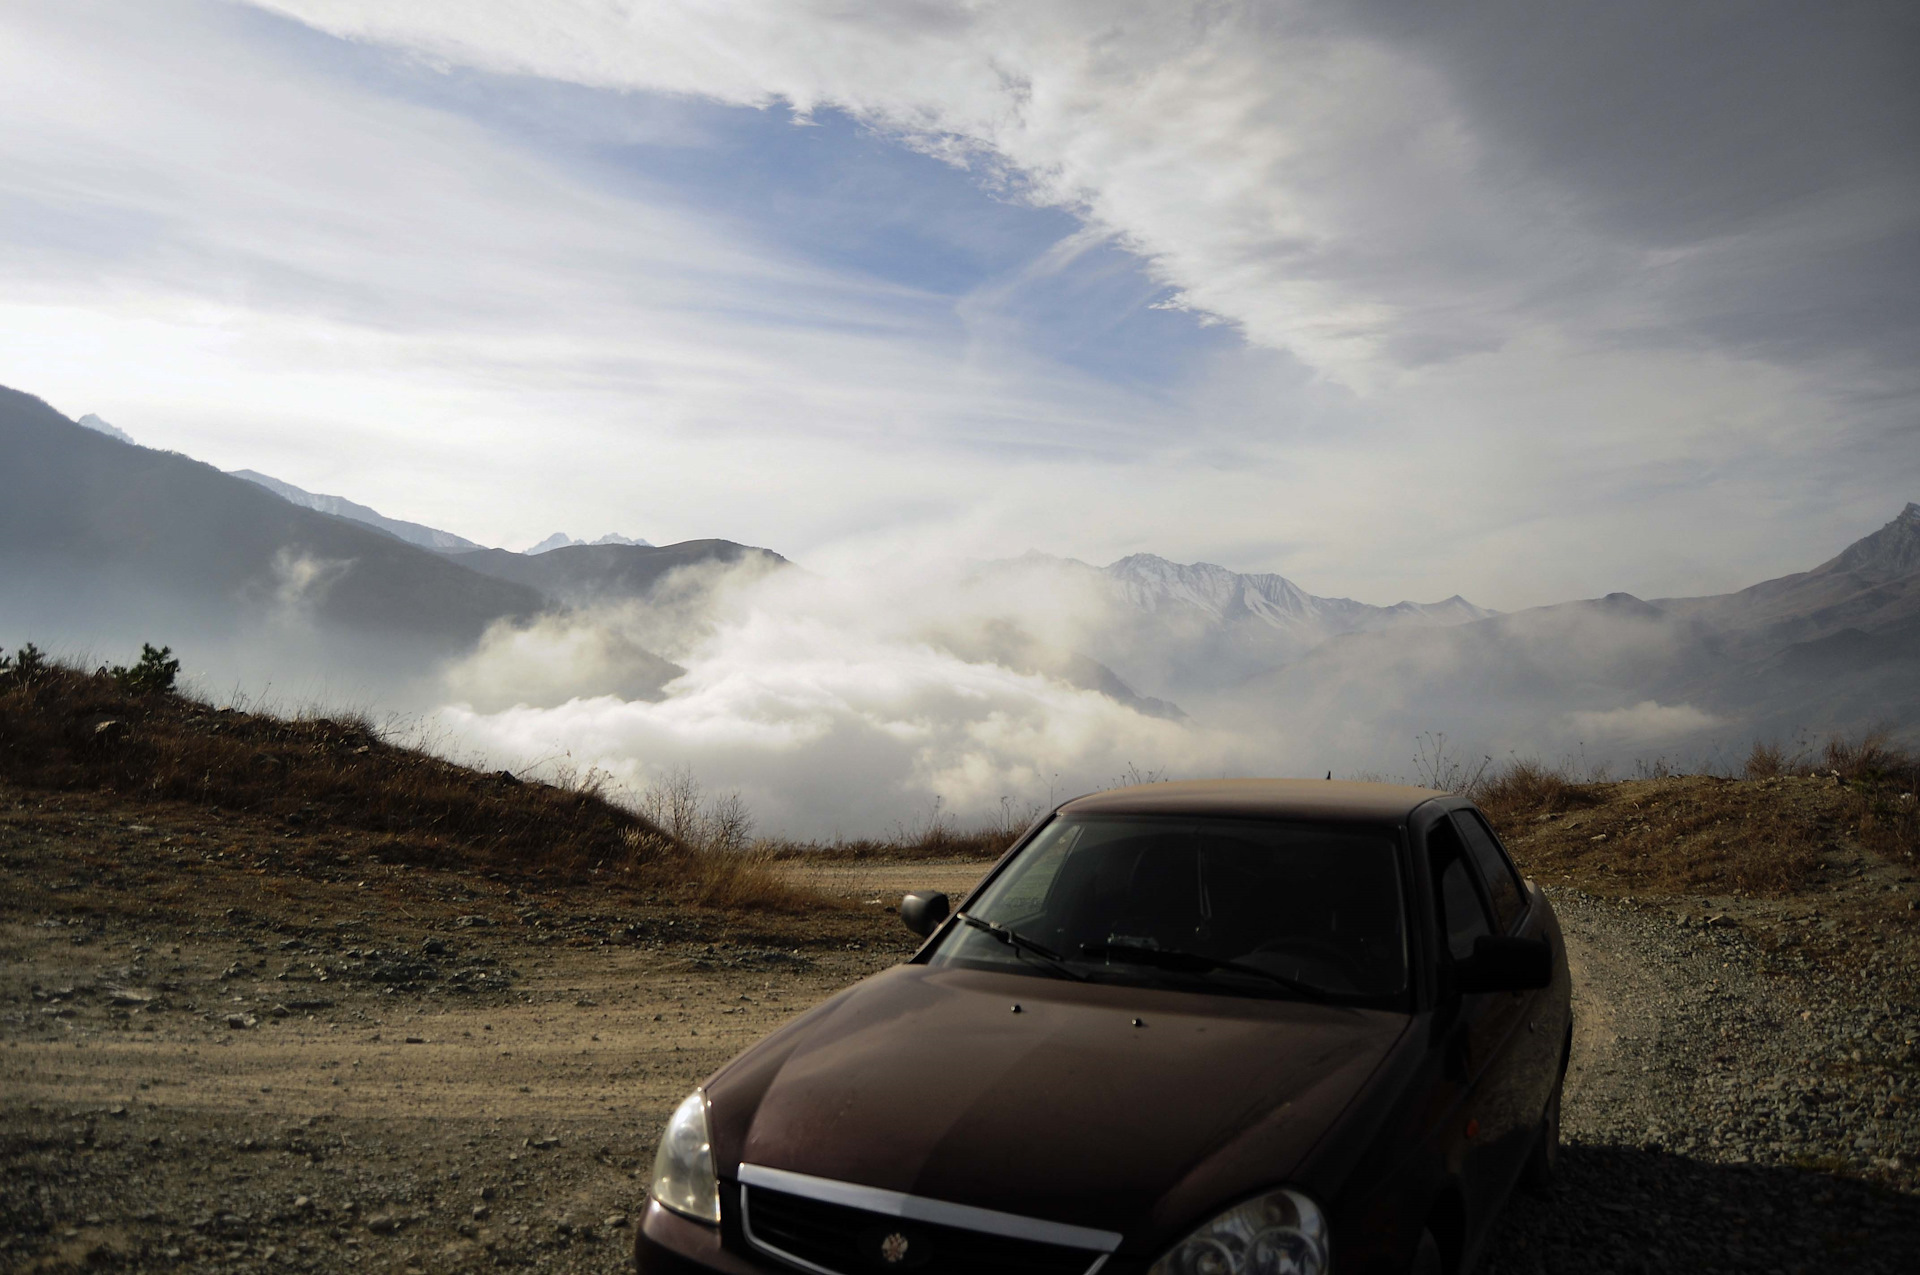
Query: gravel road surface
column 379, row 1081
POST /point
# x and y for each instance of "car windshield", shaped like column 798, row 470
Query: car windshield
column 1252, row 907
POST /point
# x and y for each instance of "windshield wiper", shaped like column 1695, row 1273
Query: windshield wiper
column 1021, row 943
column 1195, row 962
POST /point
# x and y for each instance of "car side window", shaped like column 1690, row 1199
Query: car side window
column 1463, row 914
column 1496, row 870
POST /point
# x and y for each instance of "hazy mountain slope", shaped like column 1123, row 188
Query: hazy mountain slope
column 101, row 538
column 1188, row 630
column 1832, row 649
column 1154, row 584
column 580, row 575
column 412, row 532
column 1871, row 585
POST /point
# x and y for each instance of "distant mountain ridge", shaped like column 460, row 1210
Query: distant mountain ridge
column 1192, row 629
column 561, row 540
column 99, row 426
column 583, row 575
column 1152, row 583
column 100, row 536
column 340, row 507
column 1872, row 584
column 1831, row 650
column 97, row 534
column 102, row 540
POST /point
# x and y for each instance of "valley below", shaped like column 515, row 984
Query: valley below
column 215, row 1061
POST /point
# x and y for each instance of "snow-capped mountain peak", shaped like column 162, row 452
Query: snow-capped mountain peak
column 99, row 426
column 1228, row 597
column 561, row 540
column 340, row 507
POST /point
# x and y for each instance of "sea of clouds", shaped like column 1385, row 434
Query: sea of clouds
column 901, row 688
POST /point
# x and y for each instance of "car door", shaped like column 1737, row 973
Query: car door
column 1481, row 1041
column 1533, row 1062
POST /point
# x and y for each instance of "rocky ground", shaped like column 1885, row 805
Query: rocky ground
column 215, row 1061
column 1724, row 1111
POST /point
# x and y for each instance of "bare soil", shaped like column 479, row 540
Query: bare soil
column 235, row 1044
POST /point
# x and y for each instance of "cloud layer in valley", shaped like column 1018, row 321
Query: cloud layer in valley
column 860, row 702
column 835, row 705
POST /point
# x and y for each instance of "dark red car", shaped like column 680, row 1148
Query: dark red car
column 1245, row 1027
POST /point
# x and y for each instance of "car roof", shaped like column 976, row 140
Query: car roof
column 1259, row 798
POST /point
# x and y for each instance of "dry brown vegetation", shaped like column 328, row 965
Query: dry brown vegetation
column 1882, row 778
column 63, row 729
column 1771, row 832
column 936, row 835
column 984, row 844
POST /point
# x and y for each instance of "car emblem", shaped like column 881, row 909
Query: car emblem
column 899, row 1246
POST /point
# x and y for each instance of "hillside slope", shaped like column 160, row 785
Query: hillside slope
column 98, row 536
column 413, row 533
column 581, row 575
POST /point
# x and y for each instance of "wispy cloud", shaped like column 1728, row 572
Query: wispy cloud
column 1366, row 189
column 1497, row 309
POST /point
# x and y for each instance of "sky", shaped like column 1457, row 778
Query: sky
column 1519, row 302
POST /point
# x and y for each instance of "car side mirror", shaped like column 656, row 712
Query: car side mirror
column 923, row 911
column 1501, row 964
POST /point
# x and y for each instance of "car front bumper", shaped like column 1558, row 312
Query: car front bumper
column 667, row 1244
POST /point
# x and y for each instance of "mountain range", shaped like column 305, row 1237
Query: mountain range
column 412, row 532
column 105, row 541
column 1833, row 650
column 102, row 540
column 1226, row 597
column 1192, row 629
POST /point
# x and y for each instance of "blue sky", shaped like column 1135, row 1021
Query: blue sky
column 1326, row 290
column 959, row 241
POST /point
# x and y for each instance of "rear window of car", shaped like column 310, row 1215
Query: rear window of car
column 1297, row 909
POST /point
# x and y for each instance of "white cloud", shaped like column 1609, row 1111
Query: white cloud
column 1369, row 199
column 1358, row 194
column 835, row 705
column 1645, row 721
column 1318, row 189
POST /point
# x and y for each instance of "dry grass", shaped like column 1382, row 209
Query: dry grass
column 936, row 835
column 985, row 844
column 1531, row 788
column 1873, row 758
column 1881, row 778
column 66, row 730
column 1688, row 835
column 1777, row 832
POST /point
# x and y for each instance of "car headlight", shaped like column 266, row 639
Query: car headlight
column 1281, row 1233
column 683, row 1177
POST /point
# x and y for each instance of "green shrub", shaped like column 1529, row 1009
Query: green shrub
column 153, row 675
column 26, row 664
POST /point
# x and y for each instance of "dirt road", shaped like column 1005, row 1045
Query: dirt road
column 213, row 1068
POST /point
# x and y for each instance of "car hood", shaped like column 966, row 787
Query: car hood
column 1091, row 1104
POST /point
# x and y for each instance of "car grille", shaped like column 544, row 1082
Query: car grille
column 850, row 1241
